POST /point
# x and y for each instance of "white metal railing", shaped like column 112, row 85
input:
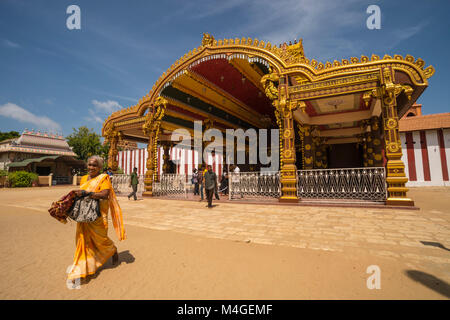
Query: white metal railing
column 170, row 185
column 254, row 184
column 351, row 183
column 121, row 184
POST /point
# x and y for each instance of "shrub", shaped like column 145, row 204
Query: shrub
column 3, row 173
column 22, row 179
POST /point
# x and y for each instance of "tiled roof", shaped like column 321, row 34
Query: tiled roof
column 425, row 122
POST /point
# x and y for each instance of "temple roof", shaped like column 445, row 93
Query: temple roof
column 220, row 82
column 38, row 142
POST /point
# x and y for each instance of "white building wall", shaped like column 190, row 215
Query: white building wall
column 404, row 153
column 434, row 158
column 418, row 158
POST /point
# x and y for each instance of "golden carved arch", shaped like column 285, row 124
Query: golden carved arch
column 284, row 60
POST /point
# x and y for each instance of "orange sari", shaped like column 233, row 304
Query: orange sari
column 93, row 246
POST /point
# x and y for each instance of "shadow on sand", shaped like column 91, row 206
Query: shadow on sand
column 430, row 281
column 434, row 244
column 124, row 256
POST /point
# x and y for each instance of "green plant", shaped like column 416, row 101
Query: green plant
column 19, row 179
column 3, row 173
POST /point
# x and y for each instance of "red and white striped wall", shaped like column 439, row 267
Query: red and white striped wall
column 185, row 160
column 426, row 155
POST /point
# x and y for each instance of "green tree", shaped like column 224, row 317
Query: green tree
column 85, row 143
column 8, row 135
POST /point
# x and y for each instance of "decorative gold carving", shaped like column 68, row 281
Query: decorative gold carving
column 296, row 50
column 269, row 82
column 113, row 137
column 151, row 129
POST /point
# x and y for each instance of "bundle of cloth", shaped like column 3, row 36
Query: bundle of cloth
column 60, row 209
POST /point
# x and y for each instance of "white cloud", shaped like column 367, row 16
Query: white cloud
column 94, row 117
column 13, row 111
column 10, row 44
column 107, row 106
column 102, row 109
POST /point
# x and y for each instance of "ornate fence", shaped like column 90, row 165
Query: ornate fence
column 354, row 183
column 170, row 185
column 254, row 184
column 121, row 184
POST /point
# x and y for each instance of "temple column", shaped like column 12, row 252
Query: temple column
column 288, row 169
column 166, row 149
column 363, row 142
column 151, row 129
column 376, row 142
column 323, row 149
column 395, row 168
column 113, row 137
column 317, row 153
column 307, row 145
column 284, row 114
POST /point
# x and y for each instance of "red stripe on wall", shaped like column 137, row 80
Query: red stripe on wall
column 411, row 158
column 131, row 161
column 159, row 160
column 443, row 156
column 186, row 163
column 139, row 161
column 193, row 159
column 124, row 168
column 425, row 159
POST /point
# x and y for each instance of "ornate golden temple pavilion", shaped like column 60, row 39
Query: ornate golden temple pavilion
column 338, row 114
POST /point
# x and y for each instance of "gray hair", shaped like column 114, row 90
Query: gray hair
column 98, row 159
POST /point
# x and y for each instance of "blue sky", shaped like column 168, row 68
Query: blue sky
column 55, row 79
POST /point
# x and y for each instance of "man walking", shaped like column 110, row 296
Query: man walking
column 134, row 181
column 210, row 185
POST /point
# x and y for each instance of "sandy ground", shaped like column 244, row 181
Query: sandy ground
column 163, row 264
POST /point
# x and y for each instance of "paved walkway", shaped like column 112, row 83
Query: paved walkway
column 421, row 236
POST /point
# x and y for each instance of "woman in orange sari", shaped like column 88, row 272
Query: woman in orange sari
column 93, row 246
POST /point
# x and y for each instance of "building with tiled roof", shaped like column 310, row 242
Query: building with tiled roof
column 426, row 147
column 40, row 152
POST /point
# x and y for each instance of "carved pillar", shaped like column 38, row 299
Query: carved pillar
column 323, row 149
column 151, row 129
column 395, row 168
column 166, row 148
column 317, row 153
column 308, row 148
column 113, row 137
column 376, row 142
column 283, row 112
column 288, row 169
column 301, row 133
